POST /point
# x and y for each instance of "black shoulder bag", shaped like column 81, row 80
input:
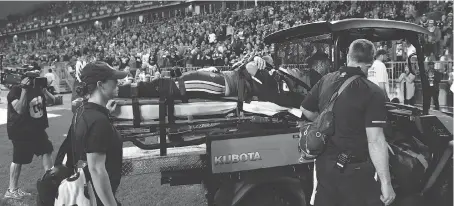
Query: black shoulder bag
column 314, row 135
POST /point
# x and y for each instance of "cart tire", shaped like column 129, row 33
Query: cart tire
column 269, row 195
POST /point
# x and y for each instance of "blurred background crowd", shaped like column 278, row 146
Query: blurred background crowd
column 196, row 37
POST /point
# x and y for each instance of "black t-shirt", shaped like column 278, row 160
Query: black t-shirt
column 361, row 105
column 95, row 134
column 20, row 126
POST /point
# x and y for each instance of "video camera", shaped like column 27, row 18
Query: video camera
column 36, row 80
column 15, row 78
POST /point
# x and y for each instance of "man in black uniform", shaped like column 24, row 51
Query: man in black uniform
column 27, row 123
column 360, row 116
column 434, row 84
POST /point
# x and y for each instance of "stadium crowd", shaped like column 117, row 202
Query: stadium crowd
column 213, row 39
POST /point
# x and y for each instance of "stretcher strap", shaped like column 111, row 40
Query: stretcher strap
column 182, row 89
column 135, row 107
column 244, row 86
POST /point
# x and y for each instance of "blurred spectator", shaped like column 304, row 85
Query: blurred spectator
column 434, row 40
column 407, row 86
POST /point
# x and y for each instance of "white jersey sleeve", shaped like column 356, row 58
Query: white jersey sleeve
column 381, row 73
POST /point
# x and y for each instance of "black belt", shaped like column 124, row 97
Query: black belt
column 358, row 159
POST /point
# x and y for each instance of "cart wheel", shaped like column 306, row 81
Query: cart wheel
column 269, row 195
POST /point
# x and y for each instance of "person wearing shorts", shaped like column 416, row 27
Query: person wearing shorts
column 23, row 151
column 26, row 126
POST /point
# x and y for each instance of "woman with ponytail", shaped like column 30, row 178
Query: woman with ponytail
column 97, row 142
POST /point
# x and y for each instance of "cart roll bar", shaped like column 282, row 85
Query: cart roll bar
column 418, row 42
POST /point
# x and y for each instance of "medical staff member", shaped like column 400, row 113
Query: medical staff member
column 98, row 142
column 358, row 132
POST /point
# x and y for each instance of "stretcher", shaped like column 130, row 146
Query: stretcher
column 201, row 108
column 153, row 124
column 173, row 121
column 191, row 120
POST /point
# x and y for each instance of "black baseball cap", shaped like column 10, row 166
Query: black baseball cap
column 100, row 71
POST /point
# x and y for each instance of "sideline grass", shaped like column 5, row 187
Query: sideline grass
column 141, row 190
column 137, row 190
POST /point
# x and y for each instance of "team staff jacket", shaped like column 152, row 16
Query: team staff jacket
column 21, row 127
column 361, row 105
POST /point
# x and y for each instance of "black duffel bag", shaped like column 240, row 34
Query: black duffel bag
column 409, row 160
column 47, row 185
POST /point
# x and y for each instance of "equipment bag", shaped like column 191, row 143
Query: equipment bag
column 77, row 189
column 409, row 160
column 47, row 185
column 313, row 135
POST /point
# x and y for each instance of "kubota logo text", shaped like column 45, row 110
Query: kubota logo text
column 235, row 158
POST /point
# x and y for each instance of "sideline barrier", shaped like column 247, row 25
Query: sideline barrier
column 395, row 69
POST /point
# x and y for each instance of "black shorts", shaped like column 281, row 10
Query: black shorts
column 23, row 151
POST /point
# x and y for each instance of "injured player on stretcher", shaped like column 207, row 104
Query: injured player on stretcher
column 255, row 80
column 259, row 82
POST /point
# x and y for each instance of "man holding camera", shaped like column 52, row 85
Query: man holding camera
column 27, row 122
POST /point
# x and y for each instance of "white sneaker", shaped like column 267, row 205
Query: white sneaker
column 14, row 194
column 23, row 193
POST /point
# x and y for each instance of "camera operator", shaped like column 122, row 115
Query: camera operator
column 26, row 125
